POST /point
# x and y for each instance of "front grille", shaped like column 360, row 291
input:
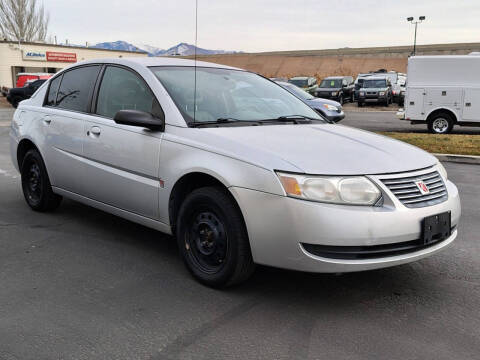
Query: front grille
column 323, row 94
column 407, row 191
column 369, row 251
column 371, row 93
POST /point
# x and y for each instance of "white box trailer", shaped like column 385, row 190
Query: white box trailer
column 443, row 91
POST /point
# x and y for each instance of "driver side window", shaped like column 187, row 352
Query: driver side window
column 122, row 89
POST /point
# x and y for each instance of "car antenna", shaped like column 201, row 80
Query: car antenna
column 195, row 63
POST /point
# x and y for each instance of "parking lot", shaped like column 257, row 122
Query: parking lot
column 83, row 284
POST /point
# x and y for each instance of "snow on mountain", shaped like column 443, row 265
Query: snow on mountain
column 182, row 49
column 118, row 45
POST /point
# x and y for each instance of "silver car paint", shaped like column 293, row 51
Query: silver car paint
column 244, row 159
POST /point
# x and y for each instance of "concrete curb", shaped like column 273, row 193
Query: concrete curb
column 462, row 159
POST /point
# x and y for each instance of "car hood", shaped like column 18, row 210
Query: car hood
column 319, row 102
column 373, row 89
column 314, row 149
column 319, row 89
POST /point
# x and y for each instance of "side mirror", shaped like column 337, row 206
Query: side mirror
column 139, row 118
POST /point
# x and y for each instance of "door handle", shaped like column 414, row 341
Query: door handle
column 95, row 130
column 47, row 120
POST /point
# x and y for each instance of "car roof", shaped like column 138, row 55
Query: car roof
column 155, row 61
column 300, row 77
column 335, row 77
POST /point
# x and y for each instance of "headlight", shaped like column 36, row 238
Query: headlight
column 381, row 93
column 442, row 171
column 330, row 107
column 346, row 190
column 362, row 93
column 334, row 93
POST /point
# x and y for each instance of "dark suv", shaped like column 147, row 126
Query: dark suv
column 338, row 88
column 375, row 89
column 16, row 95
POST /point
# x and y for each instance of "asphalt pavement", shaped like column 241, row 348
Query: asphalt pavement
column 83, row 284
column 388, row 121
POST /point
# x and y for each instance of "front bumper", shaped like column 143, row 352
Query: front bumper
column 372, row 100
column 279, row 225
column 333, row 115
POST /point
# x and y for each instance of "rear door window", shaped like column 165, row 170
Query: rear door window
column 52, row 91
column 76, row 88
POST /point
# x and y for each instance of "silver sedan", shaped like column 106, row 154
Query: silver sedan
column 238, row 169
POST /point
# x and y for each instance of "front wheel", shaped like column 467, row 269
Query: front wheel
column 212, row 238
column 340, row 99
column 36, row 184
column 441, row 123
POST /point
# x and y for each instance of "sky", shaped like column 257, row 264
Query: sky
column 264, row 25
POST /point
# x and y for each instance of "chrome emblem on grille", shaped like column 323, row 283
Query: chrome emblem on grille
column 422, row 187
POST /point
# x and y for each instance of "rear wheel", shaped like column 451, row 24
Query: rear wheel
column 36, row 184
column 212, row 238
column 441, row 123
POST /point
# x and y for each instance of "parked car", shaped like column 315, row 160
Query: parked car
column 375, row 89
column 16, row 95
column 398, row 89
column 338, row 88
column 443, row 91
column 306, row 83
column 237, row 168
column 358, row 84
column 329, row 109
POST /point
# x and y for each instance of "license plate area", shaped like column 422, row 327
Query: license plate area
column 436, row 228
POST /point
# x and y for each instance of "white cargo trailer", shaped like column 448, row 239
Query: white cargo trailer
column 443, row 91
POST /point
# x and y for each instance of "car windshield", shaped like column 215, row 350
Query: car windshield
column 300, row 93
column 228, row 94
column 299, row 82
column 331, row 83
column 381, row 83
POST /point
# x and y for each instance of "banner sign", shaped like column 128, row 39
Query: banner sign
column 61, row 56
column 34, row 55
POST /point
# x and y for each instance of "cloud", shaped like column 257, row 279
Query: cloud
column 252, row 25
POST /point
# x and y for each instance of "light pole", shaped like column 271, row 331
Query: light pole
column 419, row 21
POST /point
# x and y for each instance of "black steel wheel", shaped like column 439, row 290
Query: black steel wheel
column 36, row 184
column 212, row 238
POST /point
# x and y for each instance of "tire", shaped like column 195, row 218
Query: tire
column 441, row 123
column 212, row 238
column 36, row 184
column 359, row 104
column 340, row 99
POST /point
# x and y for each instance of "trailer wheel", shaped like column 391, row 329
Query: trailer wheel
column 441, row 123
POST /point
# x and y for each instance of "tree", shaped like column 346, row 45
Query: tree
column 23, row 20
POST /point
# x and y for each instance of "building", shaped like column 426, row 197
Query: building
column 46, row 58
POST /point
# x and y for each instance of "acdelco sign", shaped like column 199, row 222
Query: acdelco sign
column 34, row 55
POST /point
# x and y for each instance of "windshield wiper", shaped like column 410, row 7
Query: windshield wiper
column 296, row 119
column 221, row 121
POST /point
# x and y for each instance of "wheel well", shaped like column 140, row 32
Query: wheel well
column 184, row 186
column 23, row 147
column 442, row 111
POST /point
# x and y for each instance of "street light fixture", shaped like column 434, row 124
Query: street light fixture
column 419, row 21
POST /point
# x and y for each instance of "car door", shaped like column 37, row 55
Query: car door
column 62, row 123
column 122, row 162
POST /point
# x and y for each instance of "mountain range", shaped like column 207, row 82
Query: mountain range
column 182, row 49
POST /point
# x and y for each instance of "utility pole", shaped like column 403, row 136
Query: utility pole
column 419, row 21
